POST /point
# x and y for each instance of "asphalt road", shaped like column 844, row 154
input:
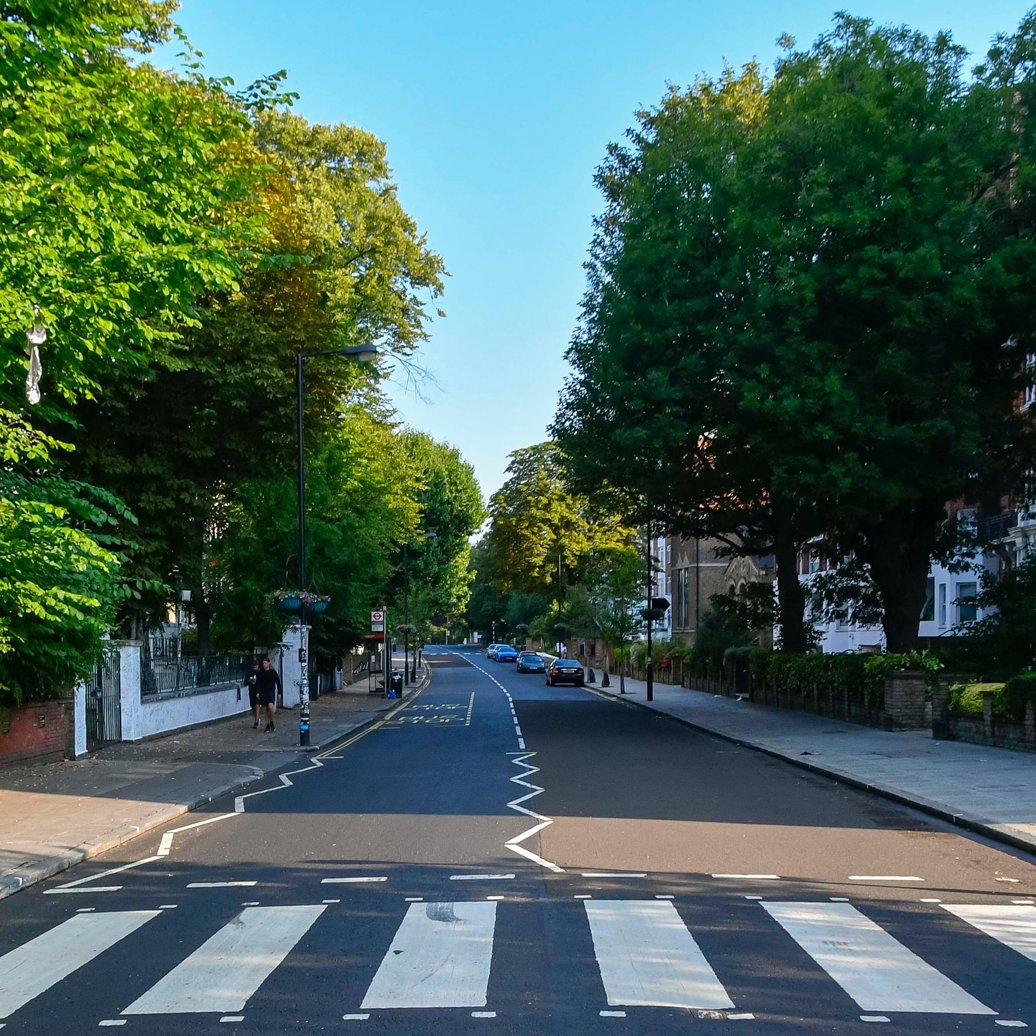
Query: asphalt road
column 504, row 857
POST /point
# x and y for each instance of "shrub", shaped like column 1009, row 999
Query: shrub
column 1017, row 691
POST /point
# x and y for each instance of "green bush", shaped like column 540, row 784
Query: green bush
column 1017, row 691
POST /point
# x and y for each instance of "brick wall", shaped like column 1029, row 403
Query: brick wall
column 34, row 732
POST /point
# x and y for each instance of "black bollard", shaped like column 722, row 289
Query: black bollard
column 590, row 678
column 605, row 682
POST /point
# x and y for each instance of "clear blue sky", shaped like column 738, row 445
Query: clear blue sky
column 496, row 116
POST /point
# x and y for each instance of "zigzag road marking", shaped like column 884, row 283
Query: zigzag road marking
column 516, row 804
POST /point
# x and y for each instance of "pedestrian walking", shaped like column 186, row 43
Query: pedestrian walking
column 269, row 685
column 252, row 680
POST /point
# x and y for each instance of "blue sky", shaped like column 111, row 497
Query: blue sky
column 495, row 117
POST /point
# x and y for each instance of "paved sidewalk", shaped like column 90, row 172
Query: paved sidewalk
column 55, row 815
column 991, row 791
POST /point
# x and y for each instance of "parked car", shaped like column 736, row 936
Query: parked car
column 491, row 650
column 505, row 653
column 529, row 662
column 565, row 670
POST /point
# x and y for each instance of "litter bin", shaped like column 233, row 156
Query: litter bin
column 396, row 684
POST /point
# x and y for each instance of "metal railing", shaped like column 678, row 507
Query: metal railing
column 171, row 675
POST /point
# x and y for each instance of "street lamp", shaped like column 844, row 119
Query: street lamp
column 364, row 354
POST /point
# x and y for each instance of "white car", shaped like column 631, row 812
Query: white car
column 491, row 650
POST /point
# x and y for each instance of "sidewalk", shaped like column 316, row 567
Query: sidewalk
column 58, row 814
column 990, row 791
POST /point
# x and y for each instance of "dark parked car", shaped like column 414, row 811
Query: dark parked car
column 530, row 662
column 505, row 653
column 565, row 670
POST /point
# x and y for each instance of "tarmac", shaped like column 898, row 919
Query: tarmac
column 57, row 814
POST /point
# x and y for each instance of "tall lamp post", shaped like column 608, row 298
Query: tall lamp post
column 365, row 354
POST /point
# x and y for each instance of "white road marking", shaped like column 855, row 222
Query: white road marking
column 330, row 901
column 37, row 965
column 744, row 1017
column 665, row 897
column 113, row 1021
column 167, row 906
column 90, row 910
column 414, row 899
column 516, row 804
column 875, row 969
column 614, row 874
column 481, row 877
column 85, row 888
column 483, row 1014
column 228, row 968
column 1013, row 881
column 884, row 877
column 753, row 877
column 925, row 901
column 355, row 1017
column 113, row 870
column 874, row 1018
column 232, row 1018
column 1011, row 1024
column 613, row 1014
column 648, row 958
column 166, row 844
column 1014, row 926
column 440, row 957
column 222, row 884
column 348, row 881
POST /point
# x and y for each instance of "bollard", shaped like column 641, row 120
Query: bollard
column 605, row 682
column 590, row 678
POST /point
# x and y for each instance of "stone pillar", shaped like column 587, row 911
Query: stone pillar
column 78, row 744
column 905, row 700
column 295, row 637
column 129, row 688
column 987, row 714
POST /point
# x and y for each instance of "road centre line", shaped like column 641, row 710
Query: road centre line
column 614, row 874
column 884, row 877
column 349, row 881
column 516, row 804
column 753, row 877
column 481, row 877
column 222, row 884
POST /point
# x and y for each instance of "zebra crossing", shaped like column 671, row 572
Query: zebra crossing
column 646, row 955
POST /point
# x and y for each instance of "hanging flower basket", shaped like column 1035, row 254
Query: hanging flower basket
column 286, row 601
column 294, row 600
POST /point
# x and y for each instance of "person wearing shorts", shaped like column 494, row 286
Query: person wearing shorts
column 269, row 684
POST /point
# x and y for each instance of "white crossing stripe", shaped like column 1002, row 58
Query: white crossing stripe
column 41, row 962
column 1014, row 926
column 221, row 975
column 440, row 957
column 648, row 958
column 876, row 970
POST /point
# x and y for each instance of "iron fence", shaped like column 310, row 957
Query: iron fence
column 171, row 675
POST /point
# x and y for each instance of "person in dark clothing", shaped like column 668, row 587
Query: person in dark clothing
column 252, row 680
column 269, row 684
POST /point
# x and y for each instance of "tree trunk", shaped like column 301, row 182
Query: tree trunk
column 898, row 547
column 790, row 595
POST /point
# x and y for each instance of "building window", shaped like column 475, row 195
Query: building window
column 967, row 610
column 682, row 601
column 928, row 608
column 942, row 604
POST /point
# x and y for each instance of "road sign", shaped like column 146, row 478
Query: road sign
column 377, row 616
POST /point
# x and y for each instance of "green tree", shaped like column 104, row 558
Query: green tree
column 798, row 295
column 110, row 179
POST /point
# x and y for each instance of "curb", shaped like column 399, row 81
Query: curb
column 52, row 865
column 976, row 826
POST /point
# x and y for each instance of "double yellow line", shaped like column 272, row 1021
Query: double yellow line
column 351, row 739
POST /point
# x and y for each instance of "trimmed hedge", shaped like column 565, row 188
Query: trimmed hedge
column 862, row 677
column 1017, row 691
